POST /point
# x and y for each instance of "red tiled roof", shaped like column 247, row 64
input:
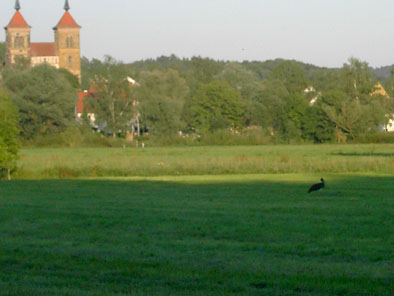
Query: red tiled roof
column 67, row 21
column 81, row 96
column 43, row 49
column 92, row 89
column 17, row 21
column 80, row 103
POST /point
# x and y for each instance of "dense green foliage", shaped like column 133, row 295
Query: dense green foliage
column 214, row 106
column 2, row 53
column 389, row 84
column 233, row 235
column 9, row 144
column 353, row 107
column 72, row 79
column 44, row 97
column 161, row 98
column 113, row 100
column 192, row 101
column 287, row 100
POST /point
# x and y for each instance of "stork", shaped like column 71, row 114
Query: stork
column 317, row 186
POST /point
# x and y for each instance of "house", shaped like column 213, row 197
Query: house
column 379, row 90
column 313, row 96
column 82, row 107
column 389, row 127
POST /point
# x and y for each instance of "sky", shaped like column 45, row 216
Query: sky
column 320, row 32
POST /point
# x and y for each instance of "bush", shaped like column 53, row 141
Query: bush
column 9, row 143
column 253, row 136
column 378, row 138
column 74, row 137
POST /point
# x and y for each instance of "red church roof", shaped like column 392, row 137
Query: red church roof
column 17, row 21
column 43, row 49
column 67, row 21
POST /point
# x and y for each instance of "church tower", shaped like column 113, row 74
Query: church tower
column 67, row 41
column 17, row 38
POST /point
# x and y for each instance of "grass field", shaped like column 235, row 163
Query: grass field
column 199, row 235
column 181, row 161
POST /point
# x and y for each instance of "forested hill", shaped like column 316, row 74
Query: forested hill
column 203, row 70
column 291, row 99
column 260, row 68
column 383, row 72
column 276, row 100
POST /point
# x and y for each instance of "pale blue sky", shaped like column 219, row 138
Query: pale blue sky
column 321, row 32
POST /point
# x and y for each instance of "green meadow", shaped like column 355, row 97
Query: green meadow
column 217, row 160
column 199, row 221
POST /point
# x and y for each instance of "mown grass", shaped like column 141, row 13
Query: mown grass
column 198, row 235
column 103, row 162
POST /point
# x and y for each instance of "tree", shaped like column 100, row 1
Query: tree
column 326, row 79
column 267, row 107
column 204, row 70
column 292, row 75
column 44, row 98
column 357, row 80
column 89, row 69
column 282, row 112
column 2, row 53
column 241, row 79
column 214, row 106
column 317, row 125
column 71, row 78
column 161, row 100
column 9, row 144
column 114, row 97
column 348, row 117
column 389, row 83
column 353, row 107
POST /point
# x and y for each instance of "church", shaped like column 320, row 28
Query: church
column 64, row 52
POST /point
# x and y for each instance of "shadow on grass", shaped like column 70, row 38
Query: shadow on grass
column 241, row 235
column 246, row 186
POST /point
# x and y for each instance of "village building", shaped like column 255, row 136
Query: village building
column 379, row 90
column 64, row 52
column 82, row 108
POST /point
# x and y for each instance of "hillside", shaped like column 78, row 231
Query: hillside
column 382, row 72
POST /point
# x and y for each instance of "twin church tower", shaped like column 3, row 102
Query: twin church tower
column 64, row 53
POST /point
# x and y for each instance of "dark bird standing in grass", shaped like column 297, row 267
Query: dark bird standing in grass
column 317, row 186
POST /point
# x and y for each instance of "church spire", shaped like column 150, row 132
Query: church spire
column 17, row 5
column 66, row 6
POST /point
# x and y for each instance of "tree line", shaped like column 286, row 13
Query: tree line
column 286, row 100
column 191, row 100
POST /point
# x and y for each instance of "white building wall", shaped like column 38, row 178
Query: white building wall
column 390, row 126
column 50, row 60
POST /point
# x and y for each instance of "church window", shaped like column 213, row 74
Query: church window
column 19, row 42
column 69, row 42
column 70, row 61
